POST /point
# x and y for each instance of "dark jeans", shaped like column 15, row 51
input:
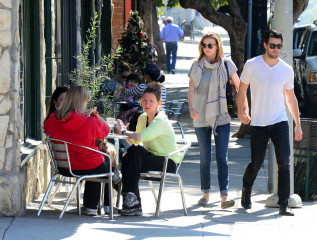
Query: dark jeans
column 221, row 142
column 259, row 138
column 92, row 189
column 171, row 48
column 136, row 161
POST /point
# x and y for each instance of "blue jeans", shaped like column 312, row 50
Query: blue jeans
column 259, row 138
column 171, row 48
column 204, row 135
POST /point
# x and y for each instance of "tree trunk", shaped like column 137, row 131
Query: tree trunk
column 233, row 23
column 146, row 15
column 157, row 41
column 298, row 8
column 151, row 27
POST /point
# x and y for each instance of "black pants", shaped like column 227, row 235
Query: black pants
column 92, row 189
column 259, row 138
column 138, row 160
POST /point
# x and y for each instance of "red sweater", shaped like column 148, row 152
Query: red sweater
column 80, row 130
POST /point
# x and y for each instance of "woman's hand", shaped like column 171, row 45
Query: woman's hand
column 91, row 112
column 120, row 126
column 194, row 114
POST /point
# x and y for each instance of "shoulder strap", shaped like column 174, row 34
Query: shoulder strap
column 226, row 65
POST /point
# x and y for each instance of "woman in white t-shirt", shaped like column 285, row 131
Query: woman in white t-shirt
column 208, row 109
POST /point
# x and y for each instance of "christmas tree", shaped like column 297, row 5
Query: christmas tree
column 135, row 47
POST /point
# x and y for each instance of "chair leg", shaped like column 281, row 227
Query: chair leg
column 78, row 199
column 52, row 196
column 110, row 197
column 101, row 201
column 157, row 212
column 45, row 195
column 182, row 193
column 153, row 192
column 181, row 129
column 69, row 198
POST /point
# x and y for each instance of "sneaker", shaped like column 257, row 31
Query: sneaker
column 91, row 212
column 116, row 178
column 246, row 198
column 173, row 71
column 130, row 200
column 131, row 211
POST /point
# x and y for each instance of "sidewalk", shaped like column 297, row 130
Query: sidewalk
column 201, row 223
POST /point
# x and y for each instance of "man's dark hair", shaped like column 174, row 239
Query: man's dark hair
column 272, row 34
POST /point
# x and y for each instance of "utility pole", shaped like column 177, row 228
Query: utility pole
column 283, row 22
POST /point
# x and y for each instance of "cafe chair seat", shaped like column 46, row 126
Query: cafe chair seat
column 163, row 176
column 58, row 151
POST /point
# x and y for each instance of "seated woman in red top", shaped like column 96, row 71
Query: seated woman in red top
column 74, row 123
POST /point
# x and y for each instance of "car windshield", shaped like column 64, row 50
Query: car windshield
column 312, row 50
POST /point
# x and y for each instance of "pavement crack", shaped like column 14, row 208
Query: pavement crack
column 6, row 230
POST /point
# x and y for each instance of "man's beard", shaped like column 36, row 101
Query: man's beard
column 272, row 56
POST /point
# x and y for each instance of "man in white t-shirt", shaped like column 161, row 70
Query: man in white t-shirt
column 269, row 76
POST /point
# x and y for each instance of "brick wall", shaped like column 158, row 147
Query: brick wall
column 117, row 21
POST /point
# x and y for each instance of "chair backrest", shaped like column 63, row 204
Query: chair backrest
column 176, row 106
column 182, row 146
column 58, row 150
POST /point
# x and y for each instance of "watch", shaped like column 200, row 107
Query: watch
column 123, row 131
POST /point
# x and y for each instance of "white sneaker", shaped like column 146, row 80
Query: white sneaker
column 91, row 212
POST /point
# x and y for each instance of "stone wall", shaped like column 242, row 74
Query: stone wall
column 10, row 177
column 17, row 186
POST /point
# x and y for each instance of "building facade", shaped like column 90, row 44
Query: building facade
column 39, row 40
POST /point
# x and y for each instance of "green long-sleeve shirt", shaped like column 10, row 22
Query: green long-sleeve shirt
column 159, row 137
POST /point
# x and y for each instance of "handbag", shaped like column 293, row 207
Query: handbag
column 231, row 95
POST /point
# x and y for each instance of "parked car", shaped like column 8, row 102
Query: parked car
column 305, row 68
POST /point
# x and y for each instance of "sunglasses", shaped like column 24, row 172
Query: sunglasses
column 210, row 45
column 278, row 46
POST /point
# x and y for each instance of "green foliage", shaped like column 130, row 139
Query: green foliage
column 216, row 4
column 92, row 77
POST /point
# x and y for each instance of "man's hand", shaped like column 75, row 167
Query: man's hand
column 298, row 133
column 244, row 118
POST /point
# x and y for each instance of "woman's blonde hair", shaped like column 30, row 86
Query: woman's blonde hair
column 215, row 36
column 75, row 100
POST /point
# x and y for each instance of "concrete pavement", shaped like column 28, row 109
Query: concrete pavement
column 201, row 223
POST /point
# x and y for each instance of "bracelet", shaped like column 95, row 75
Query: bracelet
column 123, row 131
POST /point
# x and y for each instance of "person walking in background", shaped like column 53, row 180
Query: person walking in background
column 208, row 109
column 269, row 76
column 170, row 35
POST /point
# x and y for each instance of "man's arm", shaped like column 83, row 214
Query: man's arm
column 293, row 108
column 242, row 103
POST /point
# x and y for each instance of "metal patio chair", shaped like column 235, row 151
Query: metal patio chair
column 173, row 111
column 163, row 176
column 58, row 150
